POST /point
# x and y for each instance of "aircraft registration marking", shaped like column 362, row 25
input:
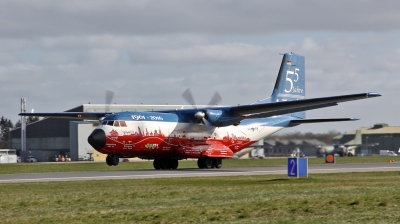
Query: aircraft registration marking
column 142, row 117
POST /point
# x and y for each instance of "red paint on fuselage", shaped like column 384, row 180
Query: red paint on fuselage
column 143, row 143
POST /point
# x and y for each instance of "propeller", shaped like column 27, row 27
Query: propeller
column 216, row 98
column 109, row 97
column 201, row 114
column 108, row 100
column 187, row 95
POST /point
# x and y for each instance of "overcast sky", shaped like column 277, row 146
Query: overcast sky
column 61, row 54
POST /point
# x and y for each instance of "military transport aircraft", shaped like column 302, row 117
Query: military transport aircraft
column 211, row 133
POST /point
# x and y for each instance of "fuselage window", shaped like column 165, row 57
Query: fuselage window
column 122, row 123
column 111, row 123
column 116, row 123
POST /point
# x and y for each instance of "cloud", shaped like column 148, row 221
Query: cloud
column 102, row 17
column 99, row 57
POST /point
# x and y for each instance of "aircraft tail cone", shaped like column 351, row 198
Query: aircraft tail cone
column 97, row 139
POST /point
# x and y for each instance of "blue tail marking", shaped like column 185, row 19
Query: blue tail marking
column 290, row 83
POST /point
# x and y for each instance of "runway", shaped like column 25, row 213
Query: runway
column 143, row 174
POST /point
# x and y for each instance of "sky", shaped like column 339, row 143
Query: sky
column 61, row 54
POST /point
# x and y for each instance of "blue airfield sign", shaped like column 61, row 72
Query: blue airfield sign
column 297, row 167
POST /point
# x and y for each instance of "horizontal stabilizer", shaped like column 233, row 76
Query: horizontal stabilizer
column 309, row 121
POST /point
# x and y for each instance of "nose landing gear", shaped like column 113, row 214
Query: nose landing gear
column 112, row 160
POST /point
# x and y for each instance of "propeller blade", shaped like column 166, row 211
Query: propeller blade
column 109, row 97
column 187, row 95
column 210, row 127
column 215, row 99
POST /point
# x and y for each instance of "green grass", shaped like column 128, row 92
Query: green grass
column 322, row 198
column 94, row 166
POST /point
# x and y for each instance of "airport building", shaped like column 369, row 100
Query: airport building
column 285, row 147
column 381, row 136
column 370, row 140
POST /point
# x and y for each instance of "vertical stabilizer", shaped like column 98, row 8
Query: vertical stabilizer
column 290, row 83
column 357, row 138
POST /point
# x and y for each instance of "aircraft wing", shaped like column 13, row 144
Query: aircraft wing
column 70, row 115
column 285, row 107
column 309, row 121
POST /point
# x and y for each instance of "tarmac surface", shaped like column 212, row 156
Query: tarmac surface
column 143, row 174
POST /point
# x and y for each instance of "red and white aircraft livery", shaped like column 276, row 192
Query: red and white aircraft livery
column 210, row 133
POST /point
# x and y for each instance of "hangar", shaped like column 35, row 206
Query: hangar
column 284, row 147
column 51, row 137
column 381, row 135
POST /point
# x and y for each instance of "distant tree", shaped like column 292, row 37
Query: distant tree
column 18, row 124
column 32, row 119
column 28, row 121
column 5, row 127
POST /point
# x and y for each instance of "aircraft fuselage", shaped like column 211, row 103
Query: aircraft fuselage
column 151, row 135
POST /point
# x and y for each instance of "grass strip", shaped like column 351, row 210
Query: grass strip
column 322, row 198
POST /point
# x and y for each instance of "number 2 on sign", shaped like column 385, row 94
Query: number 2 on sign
column 293, row 163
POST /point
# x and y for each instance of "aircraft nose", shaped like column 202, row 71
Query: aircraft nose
column 97, row 139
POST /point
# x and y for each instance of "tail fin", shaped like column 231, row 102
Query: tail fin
column 290, row 83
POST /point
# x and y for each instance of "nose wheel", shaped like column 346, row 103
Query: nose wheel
column 112, row 160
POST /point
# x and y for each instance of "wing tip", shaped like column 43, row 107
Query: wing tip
column 373, row 94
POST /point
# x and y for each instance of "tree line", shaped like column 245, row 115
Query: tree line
column 6, row 126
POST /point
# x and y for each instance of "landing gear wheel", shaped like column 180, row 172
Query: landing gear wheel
column 163, row 164
column 114, row 160
column 208, row 162
column 217, row 163
column 173, row 164
column 156, row 164
column 108, row 160
column 200, row 163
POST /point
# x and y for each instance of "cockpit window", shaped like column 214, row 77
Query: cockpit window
column 114, row 123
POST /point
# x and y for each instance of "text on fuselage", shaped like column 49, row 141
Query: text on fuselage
column 151, row 118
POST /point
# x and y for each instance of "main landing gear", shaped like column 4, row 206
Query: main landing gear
column 206, row 162
column 165, row 164
column 112, row 160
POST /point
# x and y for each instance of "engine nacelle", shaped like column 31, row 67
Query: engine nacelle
column 219, row 118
